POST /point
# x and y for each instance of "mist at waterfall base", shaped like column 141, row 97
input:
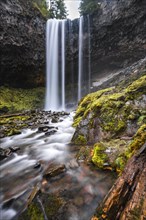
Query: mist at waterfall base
column 65, row 85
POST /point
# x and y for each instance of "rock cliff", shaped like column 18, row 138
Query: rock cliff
column 117, row 37
column 22, row 43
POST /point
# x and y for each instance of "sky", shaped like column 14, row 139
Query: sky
column 72, row 7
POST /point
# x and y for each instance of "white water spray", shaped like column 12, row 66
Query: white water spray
column 80, row 69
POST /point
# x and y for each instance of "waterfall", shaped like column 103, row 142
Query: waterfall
column 63, row 63
column 55, row 88
column 89, row 55
column 80, row 58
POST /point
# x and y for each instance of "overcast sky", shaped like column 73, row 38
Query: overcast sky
column 72, row 7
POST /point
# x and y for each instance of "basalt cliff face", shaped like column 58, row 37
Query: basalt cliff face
column 22, row 44
column 117, row 36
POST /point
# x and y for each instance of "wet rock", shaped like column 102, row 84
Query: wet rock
column 78, row 201
column 50, row 132
column 4, row 153
column 14, row 149
column 55, row 171
column 43, row 128
column 73, row 164
column 37, row 165
column 55, row 120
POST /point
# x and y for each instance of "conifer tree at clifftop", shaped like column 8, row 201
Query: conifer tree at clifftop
column 89, row 6
column 51, row 8
column 57, row 9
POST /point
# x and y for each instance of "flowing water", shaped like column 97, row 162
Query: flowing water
column 80, row 188
column 80, row 63
column 55, row 86
column 89, row 55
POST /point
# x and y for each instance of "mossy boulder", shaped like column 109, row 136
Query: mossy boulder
column 113, row 118
column 114, row 110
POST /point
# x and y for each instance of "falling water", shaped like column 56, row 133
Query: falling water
column 63, row 63
column 80, row 57
column 55, row 99
column 89, row 55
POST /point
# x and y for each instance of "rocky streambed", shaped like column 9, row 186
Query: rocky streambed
column 41, row 177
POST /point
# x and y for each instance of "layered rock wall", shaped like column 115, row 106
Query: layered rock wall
column 22, row 44
column 117, row 36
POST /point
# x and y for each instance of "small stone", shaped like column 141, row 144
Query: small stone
column 50, row 132
column 43, row 128
column 37, row 165
column 14, row 149
column 55, row 171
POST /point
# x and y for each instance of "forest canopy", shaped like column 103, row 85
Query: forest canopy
column 53, row 9
column 89, row 6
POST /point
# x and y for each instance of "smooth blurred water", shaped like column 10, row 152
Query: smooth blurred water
column 18, row 175
column 55, row 39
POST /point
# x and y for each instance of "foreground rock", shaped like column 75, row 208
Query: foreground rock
column 112, row 119
column 12, row 124
column 126, row 199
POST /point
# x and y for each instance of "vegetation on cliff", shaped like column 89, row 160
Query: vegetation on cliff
column 88, row 7
column 57, row 9
column 14, row 100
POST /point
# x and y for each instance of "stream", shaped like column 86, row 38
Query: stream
column 80, row 188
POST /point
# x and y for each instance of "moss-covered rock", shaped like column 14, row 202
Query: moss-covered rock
column 138, row 141
column 99, row 157
column 14, row 100
column 80, row 140
column 51, row 204
column 113, row 118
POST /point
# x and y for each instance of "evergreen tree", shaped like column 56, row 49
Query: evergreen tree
column 56, row 10
column 89, row 6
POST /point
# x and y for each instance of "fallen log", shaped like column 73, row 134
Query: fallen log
column 127, row 198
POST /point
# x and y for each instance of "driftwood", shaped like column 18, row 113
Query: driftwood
column 127, row 198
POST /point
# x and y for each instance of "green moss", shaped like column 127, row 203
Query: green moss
column 14, row 100
column 142, row 119
column 54, row 203
column 80, row 140
column 34, row 212
column 99, row 157
column 120, row 163
column 85, row 105
column 84, row 154
column 10, row 120
column 138, row 141
column 112, row 108
column 13, row 132
column 138, row 85
column 51, row 204
column 112, row 115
